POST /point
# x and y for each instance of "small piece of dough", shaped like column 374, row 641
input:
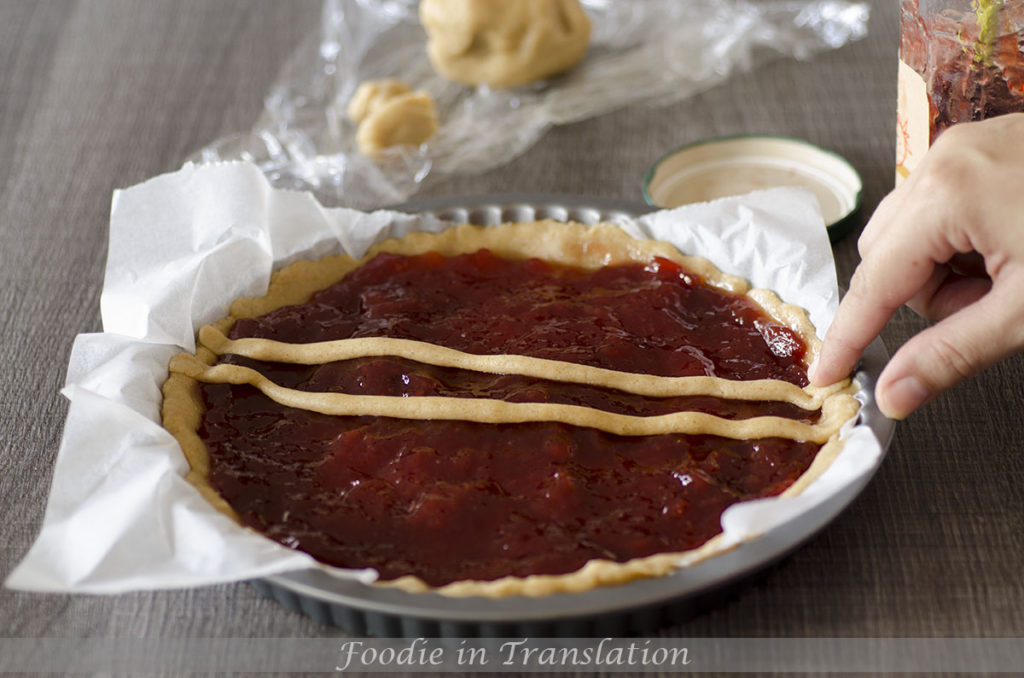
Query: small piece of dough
column 390, row 114
column 504, row 43
column 371, row 94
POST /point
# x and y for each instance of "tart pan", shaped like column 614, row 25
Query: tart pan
column 637, row 607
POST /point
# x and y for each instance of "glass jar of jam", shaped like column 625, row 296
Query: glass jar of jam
column 960, row 60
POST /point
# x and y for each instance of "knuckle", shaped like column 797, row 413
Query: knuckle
column 890, row 201
column 951, row 359
column 860, row 281
column 880, row 222
column 941, row 177
column 864, row 243
column 871, row 288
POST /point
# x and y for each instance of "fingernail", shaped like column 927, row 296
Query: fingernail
column 902, row 398
column 812, row 368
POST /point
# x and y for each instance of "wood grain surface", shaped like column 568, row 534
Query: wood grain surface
column 106, row 93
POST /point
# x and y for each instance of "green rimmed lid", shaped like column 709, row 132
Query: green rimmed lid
column 718, row 168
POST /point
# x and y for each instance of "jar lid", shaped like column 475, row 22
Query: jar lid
column 728, row 166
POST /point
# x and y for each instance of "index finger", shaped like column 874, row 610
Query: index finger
column 859, row 319
column 886, row 278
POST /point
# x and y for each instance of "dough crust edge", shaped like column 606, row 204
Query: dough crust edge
column 568, row 243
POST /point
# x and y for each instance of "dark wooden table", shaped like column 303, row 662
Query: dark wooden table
column 103, row 94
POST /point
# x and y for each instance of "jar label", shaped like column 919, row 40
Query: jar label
column 913, row 134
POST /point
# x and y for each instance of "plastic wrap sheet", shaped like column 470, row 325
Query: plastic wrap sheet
column 641, row 51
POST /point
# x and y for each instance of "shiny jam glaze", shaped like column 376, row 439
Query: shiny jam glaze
column 448, row 501
column 654, row 319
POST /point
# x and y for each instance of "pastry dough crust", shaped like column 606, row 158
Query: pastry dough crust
column 569, row 244
column 388, row 113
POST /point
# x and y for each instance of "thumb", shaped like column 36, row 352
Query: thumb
column 945, row 354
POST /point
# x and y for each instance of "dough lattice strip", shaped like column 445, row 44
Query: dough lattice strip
column 483, row 410
column 554, row 370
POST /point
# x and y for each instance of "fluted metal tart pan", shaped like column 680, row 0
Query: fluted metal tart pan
column 637, row 607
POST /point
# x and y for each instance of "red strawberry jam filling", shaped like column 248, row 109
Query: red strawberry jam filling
column 451, row 500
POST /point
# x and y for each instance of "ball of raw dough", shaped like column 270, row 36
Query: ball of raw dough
column 390, row 114
column 504, row 43
column 371, row 94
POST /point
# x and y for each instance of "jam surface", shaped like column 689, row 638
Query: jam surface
column 655, row 319
column 449, row 500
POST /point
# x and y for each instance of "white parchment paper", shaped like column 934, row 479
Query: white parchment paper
column 183, row 245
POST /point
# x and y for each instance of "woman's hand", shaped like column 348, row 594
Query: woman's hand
column 949, row 243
